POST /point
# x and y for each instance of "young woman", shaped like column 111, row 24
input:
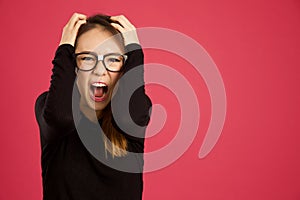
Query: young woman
column 93, row 56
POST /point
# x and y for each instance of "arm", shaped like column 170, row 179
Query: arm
column 53, row 109
column 139, row 104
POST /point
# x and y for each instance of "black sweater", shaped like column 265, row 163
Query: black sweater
column 69, row 170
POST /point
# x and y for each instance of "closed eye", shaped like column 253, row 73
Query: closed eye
column 87, row 58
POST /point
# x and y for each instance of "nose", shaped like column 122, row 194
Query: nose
column 100, row 70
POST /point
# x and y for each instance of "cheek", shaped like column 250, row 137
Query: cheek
column 114, row 78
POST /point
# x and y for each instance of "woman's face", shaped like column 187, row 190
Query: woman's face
column 96, row 86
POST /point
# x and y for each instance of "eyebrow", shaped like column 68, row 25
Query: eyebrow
column 98, row 53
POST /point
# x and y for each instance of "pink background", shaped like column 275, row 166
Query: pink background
column 255, row 44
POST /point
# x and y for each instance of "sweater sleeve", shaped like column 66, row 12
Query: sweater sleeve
column 132, row 126
column 53, row 109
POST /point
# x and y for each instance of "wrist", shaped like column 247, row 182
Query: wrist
column 130, row 37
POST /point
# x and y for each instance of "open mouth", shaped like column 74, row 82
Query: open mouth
column 98, row 90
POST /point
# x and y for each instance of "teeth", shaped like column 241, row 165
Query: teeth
column 98, row 85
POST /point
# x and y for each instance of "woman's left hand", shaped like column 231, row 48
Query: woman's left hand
column 126, row 28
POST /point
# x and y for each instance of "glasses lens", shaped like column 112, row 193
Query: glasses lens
column 114, row 62
column 86, row 61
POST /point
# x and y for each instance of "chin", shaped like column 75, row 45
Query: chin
column 100, row 106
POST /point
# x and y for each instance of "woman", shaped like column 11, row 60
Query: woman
column 94, row 55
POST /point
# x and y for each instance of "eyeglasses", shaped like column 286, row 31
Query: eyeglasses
column 87, row 61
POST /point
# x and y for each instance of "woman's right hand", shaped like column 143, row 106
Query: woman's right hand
column 71, row 28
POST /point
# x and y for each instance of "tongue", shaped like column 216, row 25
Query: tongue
column 98, row 92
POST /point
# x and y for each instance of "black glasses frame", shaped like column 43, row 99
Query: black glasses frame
column 100, row 58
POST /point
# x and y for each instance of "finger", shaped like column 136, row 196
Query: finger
column 80, row 16
column 115, row 20
column 123, row 21
column 78, row 24
column 118, row 27
column 120, row 19
column 75, row 17
column 123, row 18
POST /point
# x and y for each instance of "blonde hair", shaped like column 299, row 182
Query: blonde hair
column 114, row 142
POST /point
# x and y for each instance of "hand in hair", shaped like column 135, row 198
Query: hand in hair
column 126, row 28
column 71, row 28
